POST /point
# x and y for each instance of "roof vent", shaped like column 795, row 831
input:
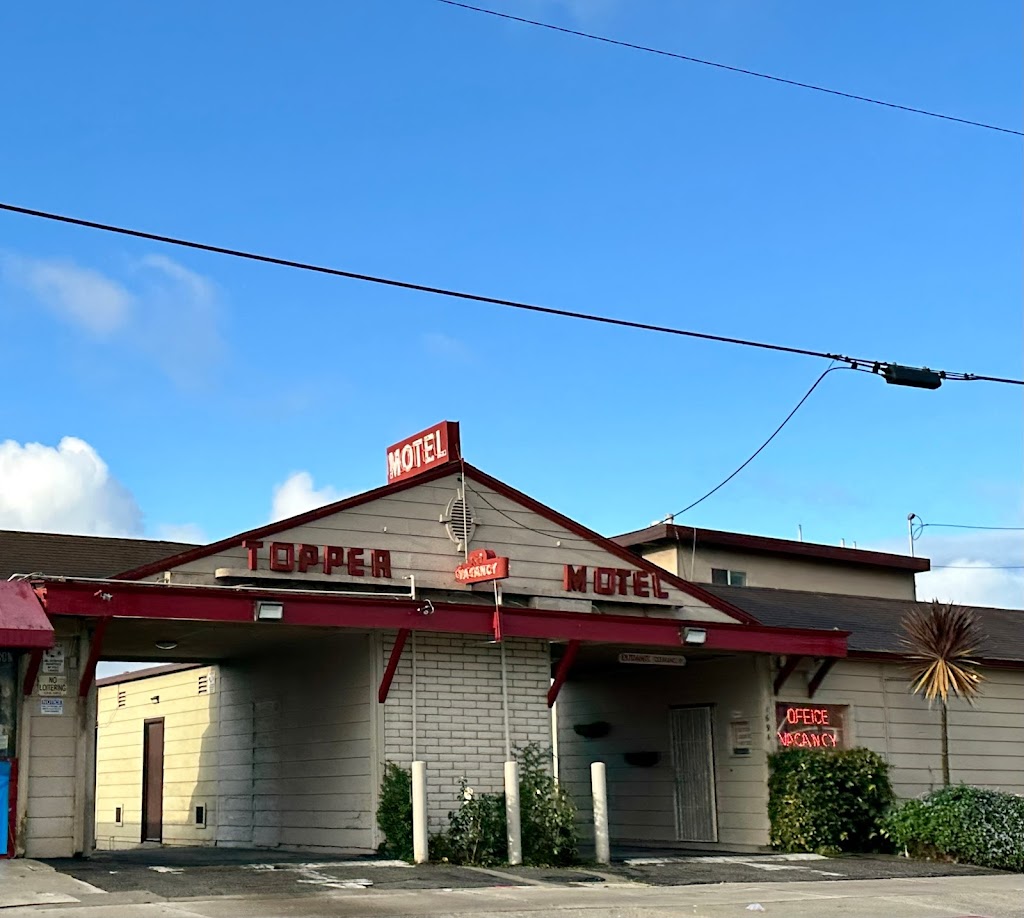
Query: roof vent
column 459, row 520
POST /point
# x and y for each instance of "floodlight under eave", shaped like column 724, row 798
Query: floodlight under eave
column 269, row 611
column 695, row 636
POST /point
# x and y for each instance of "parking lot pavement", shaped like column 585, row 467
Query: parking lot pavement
column 776, row 868
column 177, row 873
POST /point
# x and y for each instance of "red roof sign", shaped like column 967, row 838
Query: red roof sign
column 424, row 451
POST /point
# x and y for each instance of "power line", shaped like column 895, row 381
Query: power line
column 729, row 67
column 671, row 517
column 964, row 526
column 978, row 567
column 856, row 362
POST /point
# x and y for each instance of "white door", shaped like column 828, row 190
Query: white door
column 693, row 762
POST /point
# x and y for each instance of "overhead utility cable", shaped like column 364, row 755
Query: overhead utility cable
column 918, row 526
column 671, row 517
column 706, row 63
column 856, row 362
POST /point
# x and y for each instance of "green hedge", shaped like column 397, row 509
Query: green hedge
column 827, row 801
column 963, row 823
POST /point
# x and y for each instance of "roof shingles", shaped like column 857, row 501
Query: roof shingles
column 874, row 623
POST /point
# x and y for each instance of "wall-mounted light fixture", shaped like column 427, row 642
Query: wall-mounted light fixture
column 155, row 699
column 269, row 611
column 166, row 645
column 695, row 635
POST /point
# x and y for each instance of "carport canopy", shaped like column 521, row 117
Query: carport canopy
column 23, row 623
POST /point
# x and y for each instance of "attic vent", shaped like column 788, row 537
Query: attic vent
column 122, row 698
column 204, row 685
column 460, row 521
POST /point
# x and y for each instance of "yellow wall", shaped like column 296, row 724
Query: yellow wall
column 190, row 757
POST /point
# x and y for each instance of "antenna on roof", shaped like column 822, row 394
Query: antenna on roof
column 799, row 532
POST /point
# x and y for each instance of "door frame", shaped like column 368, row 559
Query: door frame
column 145, row 776
column 710, row 709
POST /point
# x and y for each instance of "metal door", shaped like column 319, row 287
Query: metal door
column 693, row 762
column 153, row 780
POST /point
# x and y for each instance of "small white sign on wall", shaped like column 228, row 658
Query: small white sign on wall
column 653, row 659
column 53, row 659
column 51, row 705
column 51, row 686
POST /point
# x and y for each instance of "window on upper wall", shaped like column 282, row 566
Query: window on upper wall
column 723, row 577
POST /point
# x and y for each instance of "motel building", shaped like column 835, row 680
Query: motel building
column 447, row 618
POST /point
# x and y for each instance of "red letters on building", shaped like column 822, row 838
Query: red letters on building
column 607, row 581
column 286, row 558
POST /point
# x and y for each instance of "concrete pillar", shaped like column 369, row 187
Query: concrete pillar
column 515, row 837
column 599, row 785
column 420, row 850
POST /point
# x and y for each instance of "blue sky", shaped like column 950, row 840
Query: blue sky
column 419, row 141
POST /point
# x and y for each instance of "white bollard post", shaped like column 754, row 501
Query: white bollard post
column 598, row 783
column 420, row 853
column 515, row 838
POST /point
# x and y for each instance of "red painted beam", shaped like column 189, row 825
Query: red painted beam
column 788, row 668
column 95, row 649
column 389, row 672
column 130, row 599
column 35, row 660
column 562, row 672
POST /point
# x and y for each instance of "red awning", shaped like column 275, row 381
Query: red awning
column 23, row 623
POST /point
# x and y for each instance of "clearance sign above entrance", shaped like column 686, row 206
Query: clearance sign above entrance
column 424, row 451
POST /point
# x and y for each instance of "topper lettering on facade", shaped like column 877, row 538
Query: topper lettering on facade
column 609, row 581
column 481, row 566
column 287, row 558
column 424, row 451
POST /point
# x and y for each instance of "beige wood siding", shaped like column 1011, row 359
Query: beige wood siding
column 408, row 525
column 53, row 750
column 636, row 701
column 986, row 741
column 786, row 573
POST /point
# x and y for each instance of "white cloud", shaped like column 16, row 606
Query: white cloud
column 973, row 568
column 182, row 532
column 67, row 488
column 82, row 295
column 296, row 495
column 162, row 309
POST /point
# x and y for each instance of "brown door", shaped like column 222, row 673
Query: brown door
column 153, row 780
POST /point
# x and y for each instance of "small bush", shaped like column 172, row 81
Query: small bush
column 962, row 823
column 827, row 801
column 476, row 832
column 394, row 812
column 546, row 812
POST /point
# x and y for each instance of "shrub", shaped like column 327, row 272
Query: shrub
column 547, row 814
column 963, row 823
column 827, row 801
column 476, row 832
column 394, row 812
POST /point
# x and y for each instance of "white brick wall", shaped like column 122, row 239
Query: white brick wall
column 460, row 726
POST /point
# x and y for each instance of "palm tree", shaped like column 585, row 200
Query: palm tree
column 942, row 640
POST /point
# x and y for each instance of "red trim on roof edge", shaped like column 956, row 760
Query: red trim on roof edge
column 444, row 471
column 672, row 533
column 135, row 600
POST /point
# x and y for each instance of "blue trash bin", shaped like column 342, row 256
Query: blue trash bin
column 5, row 805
